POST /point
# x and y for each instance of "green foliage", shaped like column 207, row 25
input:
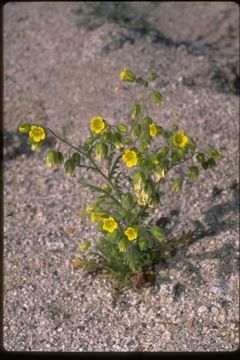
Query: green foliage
column 92, row 15
column 132, row 162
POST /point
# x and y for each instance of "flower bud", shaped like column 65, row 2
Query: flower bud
column 122, row 128
column 157, row 98
column 138, row 180
column 101, row 150
column 135, row 111
column 35, row 146
column 159, row 173
column 24, row 128
column 135, row 131
column 123, row 244
column 127, row 75
column 152, row 76
column 158, row 233
column 176, row 185
column 193, row 173
column 106, row 187
column 54, row 159
column 69, row 167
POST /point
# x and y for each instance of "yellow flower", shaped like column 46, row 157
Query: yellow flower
column 130, row 158
column 127, row 75
column 180, row 139
column 110, row 224
column 37, row 133
column 152, row 129
column 131, row 233
column 95, row 217
column 97, row 124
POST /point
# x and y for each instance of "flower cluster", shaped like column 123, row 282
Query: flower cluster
column 36, row 134
column 133, row 160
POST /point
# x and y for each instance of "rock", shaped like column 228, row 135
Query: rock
column 220, row 286
column 214, row 310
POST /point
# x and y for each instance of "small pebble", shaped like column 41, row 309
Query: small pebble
column 202, row 309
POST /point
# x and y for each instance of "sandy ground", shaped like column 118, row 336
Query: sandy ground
column 61, row 75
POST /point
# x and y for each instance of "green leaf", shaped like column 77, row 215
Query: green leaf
column 131, row 256
column 193, row 173
column 158, row 233
column 157, row 98
column 160, row 130
column 211, row 163
column 178, row 155
column 135, row 111
column 127, row 201
column 108, row 137
column 76, row 158
column 128, row 141
column 164, row 152
column 200, row 157
column 152, row 76
column 213, row 153
column 86, row 147
column 147, row 120
column 89, row 140
column 30, row 141
column 174, row 127
column 145, row 243
column 143, row 147
column 117, row 138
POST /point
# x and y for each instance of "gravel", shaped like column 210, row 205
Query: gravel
column 60, row 75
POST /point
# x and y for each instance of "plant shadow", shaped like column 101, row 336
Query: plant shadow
column 15, row 144
column 218, row 220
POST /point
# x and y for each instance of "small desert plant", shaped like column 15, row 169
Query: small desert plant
column 133, row 162
column 92, row 15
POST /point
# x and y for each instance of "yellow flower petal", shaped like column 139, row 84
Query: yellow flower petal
column 110, row 224
column 180, row 139
column 130, row 158
column 37, row 133
column 97, row 124
column 131, row 233
column 152, row 129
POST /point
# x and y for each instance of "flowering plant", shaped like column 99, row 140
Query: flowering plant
column 133, row 160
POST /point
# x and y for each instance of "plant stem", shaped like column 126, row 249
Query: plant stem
column 181, row 162
column 103, row 191
column 94, row 167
